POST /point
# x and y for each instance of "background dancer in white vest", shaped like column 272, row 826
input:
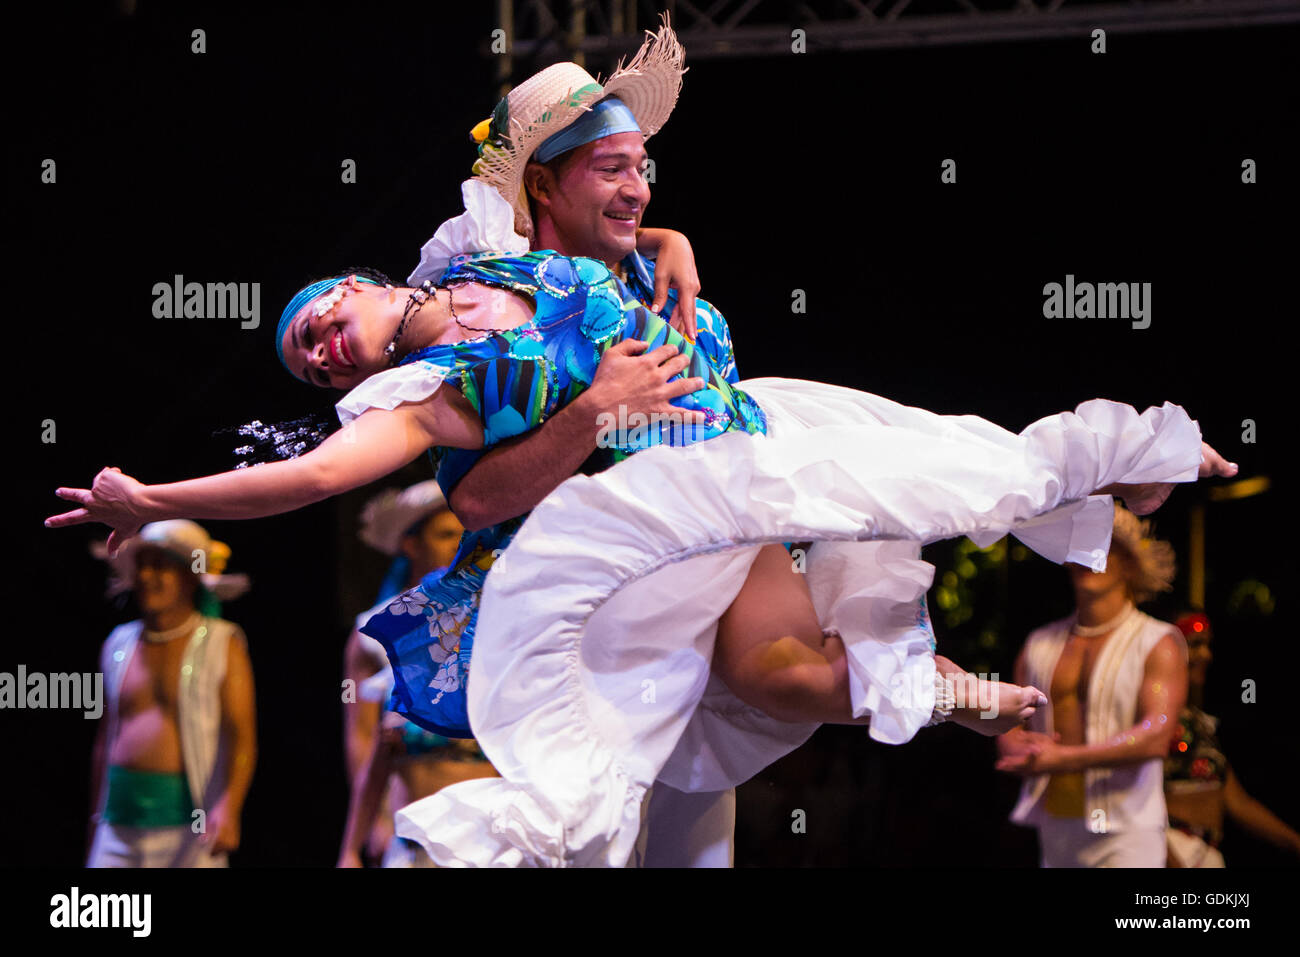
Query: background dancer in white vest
column 1117, row 679
column 175, row 751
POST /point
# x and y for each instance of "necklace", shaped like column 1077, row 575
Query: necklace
column 184, row 628
column 1092, row 631
column 415, row 303
column 460, row 323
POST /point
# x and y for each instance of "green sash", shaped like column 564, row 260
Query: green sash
column 147, row 798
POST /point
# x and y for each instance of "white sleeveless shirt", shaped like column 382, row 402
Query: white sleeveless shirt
column 1127, row 797
column 203, row 669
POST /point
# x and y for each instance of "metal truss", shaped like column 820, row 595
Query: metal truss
column 543, row 31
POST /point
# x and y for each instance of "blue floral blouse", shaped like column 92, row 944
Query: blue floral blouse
column 515, row 380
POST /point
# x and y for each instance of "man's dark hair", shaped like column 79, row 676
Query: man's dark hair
column 555, row 165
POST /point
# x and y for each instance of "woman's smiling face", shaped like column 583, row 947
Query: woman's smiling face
column 338, row 339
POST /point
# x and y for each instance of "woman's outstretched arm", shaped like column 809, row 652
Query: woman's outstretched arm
column 377, row 442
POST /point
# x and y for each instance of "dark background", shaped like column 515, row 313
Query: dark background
column 817, row 172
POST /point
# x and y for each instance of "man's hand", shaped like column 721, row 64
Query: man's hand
column 113, row 499
column 222, row 833
column 513, row 477
column 1027, row 752
column 675, row 268
column 1021, row 741
column 637, row 380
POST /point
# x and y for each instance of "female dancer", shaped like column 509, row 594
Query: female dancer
column 392, row 762
column 588, row 680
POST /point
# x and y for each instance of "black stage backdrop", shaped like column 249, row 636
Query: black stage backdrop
column 817, row 172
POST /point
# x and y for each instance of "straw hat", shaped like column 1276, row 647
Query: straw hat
column 180, row 538
column 389, row 516
column 546, row 103
column 1151, row 559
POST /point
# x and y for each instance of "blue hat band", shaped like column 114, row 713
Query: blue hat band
column 304, row 296
column 608, row 117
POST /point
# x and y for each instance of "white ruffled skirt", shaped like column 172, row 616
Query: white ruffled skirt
column 590, row 673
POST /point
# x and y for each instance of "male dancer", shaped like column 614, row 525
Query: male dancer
column 1093, row 763
column 1201, row 788
column 582, row 193
column 174, row 756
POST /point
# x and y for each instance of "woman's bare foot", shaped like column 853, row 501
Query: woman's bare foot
column 1145, row 499
column 994, row 707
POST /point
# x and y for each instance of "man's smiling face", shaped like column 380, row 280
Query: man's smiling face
column 595, row 196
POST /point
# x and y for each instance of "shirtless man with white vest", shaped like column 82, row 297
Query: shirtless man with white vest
column 1093, row 758
column 175, row 750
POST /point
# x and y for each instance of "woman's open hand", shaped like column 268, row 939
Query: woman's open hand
column 675, row 268
column 113, row 499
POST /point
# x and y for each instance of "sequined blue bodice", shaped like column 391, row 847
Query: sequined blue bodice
column 515, row 380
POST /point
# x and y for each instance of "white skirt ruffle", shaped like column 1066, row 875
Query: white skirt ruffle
column 590, row 674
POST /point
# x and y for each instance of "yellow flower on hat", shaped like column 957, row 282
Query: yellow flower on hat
column 550, row 101
column 480, row 132
column 218, row 555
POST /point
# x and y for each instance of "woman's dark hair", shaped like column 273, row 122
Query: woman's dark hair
column 364, row 272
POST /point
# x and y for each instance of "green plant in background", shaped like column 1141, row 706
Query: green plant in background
column 1250, row 599
column 970, row 598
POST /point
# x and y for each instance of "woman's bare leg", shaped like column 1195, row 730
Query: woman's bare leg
column 772, row 653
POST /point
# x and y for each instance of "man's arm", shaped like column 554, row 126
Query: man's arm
column 367, row 795
column 360, row 720
column 360, row 717
column 516, row 475
column 239, row 725
column 1256, row 818
column 1161, row 698
column 96, row 779
column 520, row 472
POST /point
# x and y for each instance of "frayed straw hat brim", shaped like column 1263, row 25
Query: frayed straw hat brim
column 545, row 104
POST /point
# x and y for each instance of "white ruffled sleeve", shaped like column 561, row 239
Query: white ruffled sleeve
column 390, row 388
column 487, row 225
